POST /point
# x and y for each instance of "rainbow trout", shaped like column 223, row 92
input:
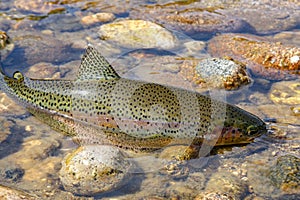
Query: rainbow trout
column 100, row 107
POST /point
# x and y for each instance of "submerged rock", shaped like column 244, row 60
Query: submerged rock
column 93, row 169
column 223, row 73
column 285, row 174
column 194, row 20
column 268, row 59
column 137, row 34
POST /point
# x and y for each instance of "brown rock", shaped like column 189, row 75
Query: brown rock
column 268, row 59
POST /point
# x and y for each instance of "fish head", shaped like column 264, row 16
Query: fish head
column 240, row 128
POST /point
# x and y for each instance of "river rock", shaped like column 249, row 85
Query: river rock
column 94, row 169
column 137, row 34
column 193, row 19
column 286, row 92
column 222, row 73
column 285, row 174
column 265, row 58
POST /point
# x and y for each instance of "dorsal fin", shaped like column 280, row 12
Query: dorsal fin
column 95, row 67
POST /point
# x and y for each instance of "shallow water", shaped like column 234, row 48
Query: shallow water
column 50, row 36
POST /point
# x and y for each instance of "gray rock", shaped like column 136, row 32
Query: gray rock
column 222, row 73
column 94, row 169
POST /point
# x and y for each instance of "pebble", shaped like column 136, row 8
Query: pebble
column 94, row 169
column 269, row 59
column 137, row 34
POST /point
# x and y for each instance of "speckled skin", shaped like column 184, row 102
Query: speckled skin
column 99, row 107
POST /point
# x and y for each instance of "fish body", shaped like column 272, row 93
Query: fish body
column 100, row 107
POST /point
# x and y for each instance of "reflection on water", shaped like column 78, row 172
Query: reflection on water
column 47, row 40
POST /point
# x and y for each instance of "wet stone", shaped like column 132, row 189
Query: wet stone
column 137, row 34
column 285, row 174
column 268, row 59
column 94, row 169
column 222, row 73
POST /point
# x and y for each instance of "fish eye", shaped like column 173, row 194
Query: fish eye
column 18, row 75
column 252, row 129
